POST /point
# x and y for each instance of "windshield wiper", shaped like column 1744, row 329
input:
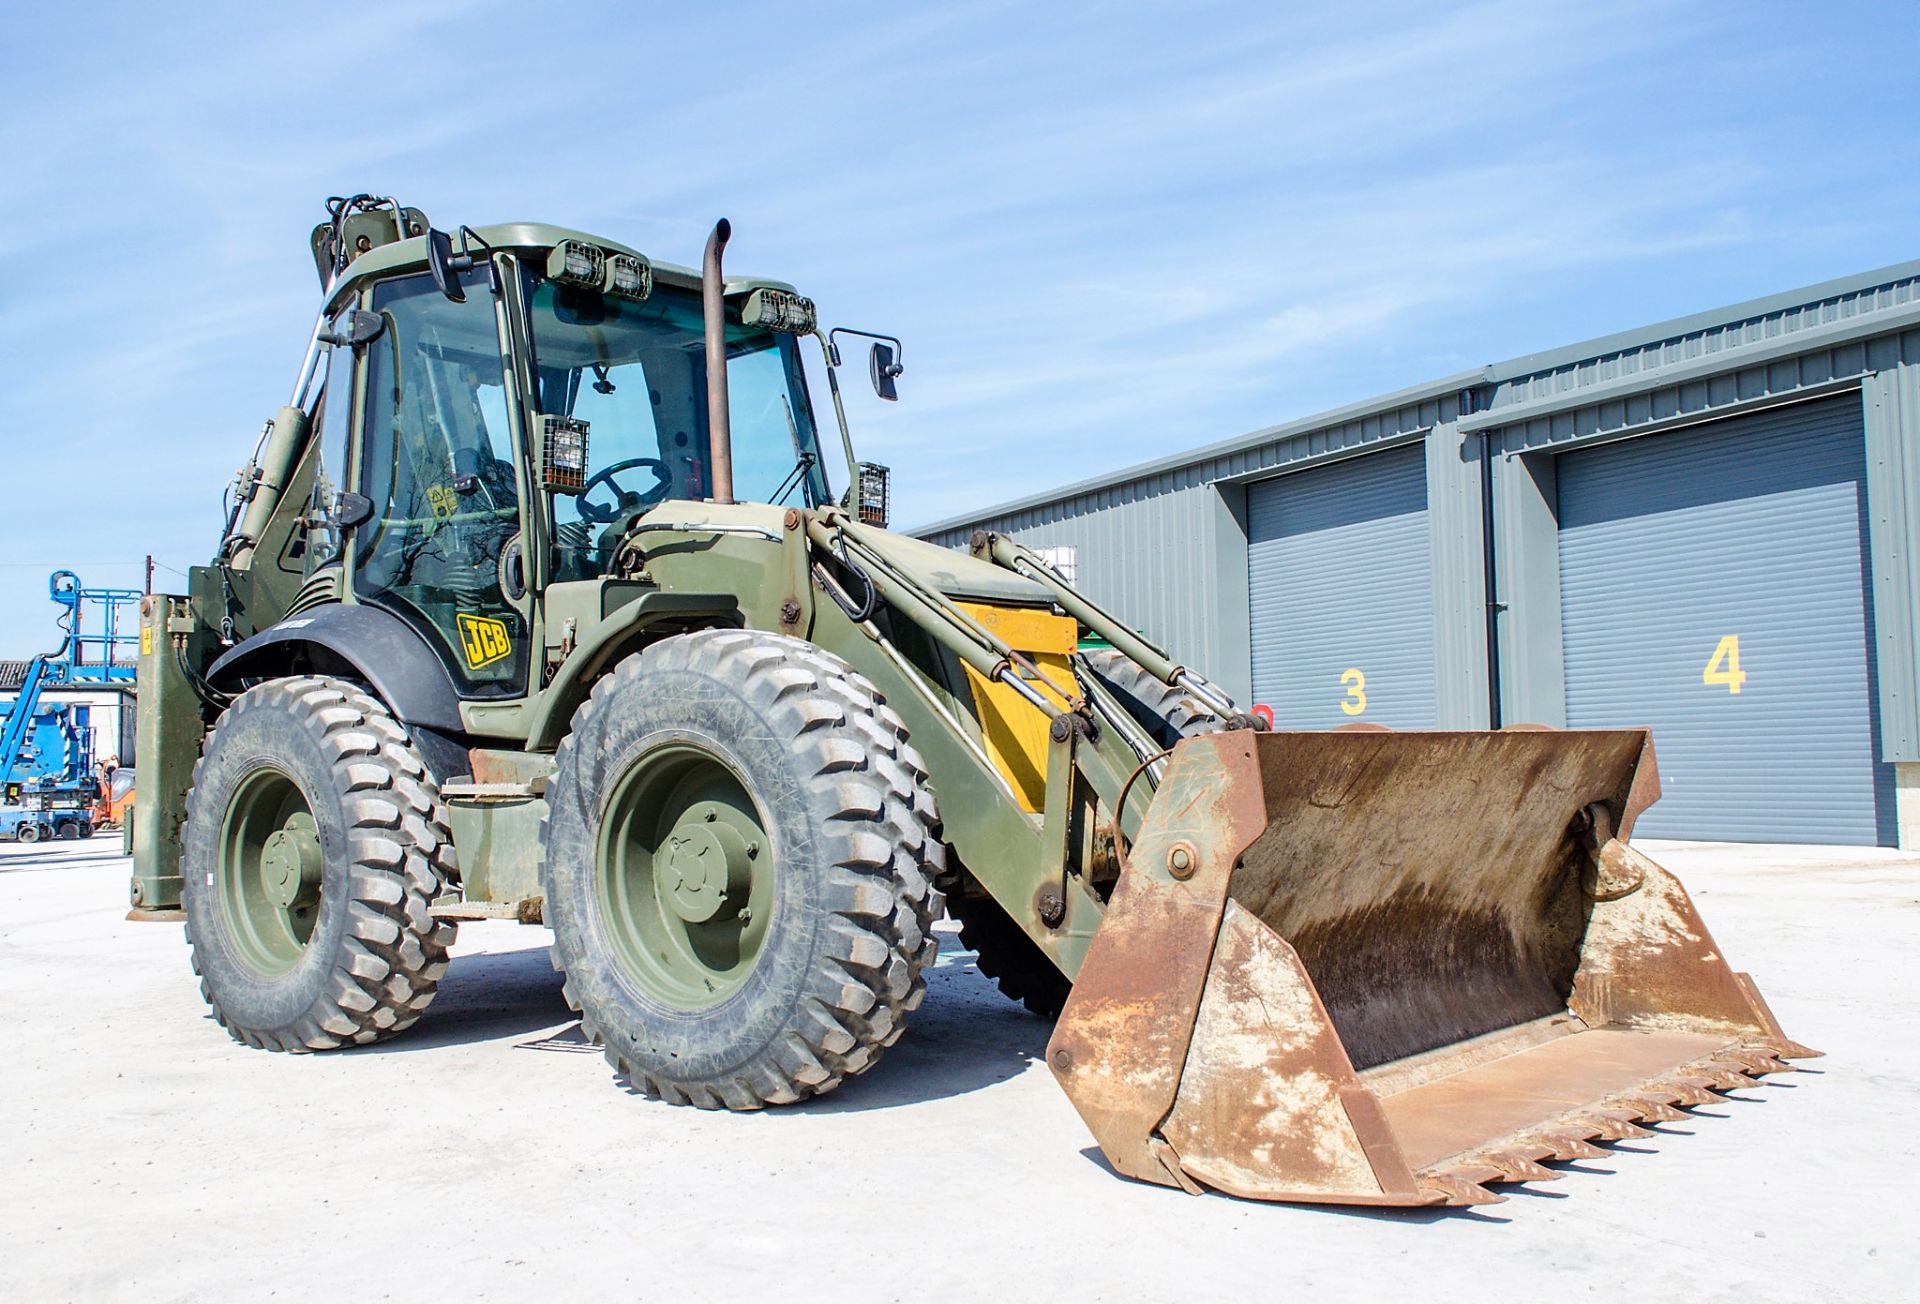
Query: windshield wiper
column 795, row 478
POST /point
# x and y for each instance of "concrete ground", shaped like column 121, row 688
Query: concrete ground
column 489, row 1154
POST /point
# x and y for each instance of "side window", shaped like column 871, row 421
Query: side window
column 437, row 460
column 336, row 410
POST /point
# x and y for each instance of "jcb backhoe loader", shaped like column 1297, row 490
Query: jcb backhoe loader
column 538, row 601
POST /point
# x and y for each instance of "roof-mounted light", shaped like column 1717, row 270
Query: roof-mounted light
column 574, row 262
column 629, row 276
column 779, row 310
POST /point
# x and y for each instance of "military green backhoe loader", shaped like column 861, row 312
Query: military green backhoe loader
column 541, row 601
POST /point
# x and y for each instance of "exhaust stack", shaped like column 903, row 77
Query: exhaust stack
column 714, row 307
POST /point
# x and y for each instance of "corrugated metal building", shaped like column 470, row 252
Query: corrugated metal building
column 1710, row 526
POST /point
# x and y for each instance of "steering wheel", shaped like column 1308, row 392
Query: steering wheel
column 623, row 499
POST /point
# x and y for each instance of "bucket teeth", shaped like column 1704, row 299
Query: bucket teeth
column 1458, row 1190
column 1616, row 1124
column 1755, row 1062
column 1725, row 1077
column 1651, row 1106
column 1688, row 1090
column 1515, row 1165
column 1567, row 1144
column 1786, row 1048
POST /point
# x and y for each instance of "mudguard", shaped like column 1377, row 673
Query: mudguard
column 380, row 648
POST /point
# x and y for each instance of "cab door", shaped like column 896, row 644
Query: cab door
column 438, row 462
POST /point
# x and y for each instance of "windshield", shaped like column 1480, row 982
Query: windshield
column 637, row 374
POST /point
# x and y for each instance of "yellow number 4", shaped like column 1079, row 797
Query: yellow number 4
column 1724, row 668
column 1356, row 685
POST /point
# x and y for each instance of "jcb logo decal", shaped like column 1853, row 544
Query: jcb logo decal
column 483, row 640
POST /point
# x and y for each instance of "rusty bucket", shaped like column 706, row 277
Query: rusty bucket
column 1397, row 968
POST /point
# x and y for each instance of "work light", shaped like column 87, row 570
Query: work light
column 565, row 454
column 778, row 310
column 574, row 262
column 873, row 505
column 629, row 277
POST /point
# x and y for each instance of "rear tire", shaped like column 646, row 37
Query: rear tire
column 29, row 833
column 739, row 866
column 314, row 844
column 1167, row 714
column 86, row 828
column 1007, row 955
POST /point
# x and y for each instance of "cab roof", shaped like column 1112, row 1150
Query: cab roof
column 411, row 255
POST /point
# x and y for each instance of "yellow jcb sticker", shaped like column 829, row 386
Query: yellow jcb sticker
column 483, row 640
column 146, row 640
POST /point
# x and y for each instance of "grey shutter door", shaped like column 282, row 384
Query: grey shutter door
column 1338, row 581
column 1751, row 528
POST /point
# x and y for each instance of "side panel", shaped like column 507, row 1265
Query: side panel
column 168, row 731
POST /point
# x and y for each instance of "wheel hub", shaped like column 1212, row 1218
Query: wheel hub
column 269, row 869
column 290, row 862
column 706, row 865
column 686, row 875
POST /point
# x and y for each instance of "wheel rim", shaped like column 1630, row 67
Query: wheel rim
column 686, row 877
column 268, row 872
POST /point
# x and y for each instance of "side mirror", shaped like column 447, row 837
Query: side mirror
column 355, row 509
column 445, row 264
column 359, row 327
column 882, row 368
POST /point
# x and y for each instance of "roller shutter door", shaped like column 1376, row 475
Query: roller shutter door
column 1713, row 586
column 1342, row 603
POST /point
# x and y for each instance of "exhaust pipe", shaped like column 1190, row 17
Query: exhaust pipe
column 714, row 307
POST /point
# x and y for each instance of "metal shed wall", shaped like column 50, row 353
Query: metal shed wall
column 1164, row 546
column 1151, row 552
column 1493, row 437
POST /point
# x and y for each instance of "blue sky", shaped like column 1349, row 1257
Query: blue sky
column 1106, row 233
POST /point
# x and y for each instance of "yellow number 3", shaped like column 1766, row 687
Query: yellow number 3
column 1724, row 668
column 1356, row 686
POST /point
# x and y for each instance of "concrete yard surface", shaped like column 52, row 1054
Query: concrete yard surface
column 490, row 1154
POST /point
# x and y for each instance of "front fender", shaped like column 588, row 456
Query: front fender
column 377, row 646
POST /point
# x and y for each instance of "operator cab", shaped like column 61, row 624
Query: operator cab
column 507, row 413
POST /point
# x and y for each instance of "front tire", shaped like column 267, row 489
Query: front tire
column 739, row 864
column 313, row 847
column 29, row 833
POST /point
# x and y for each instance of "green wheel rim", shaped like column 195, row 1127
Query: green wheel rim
column 269, row 871
column 686, row 877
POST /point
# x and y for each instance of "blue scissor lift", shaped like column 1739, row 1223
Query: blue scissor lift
column 100, row 650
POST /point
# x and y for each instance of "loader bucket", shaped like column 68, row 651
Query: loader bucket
column 1395, row 968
